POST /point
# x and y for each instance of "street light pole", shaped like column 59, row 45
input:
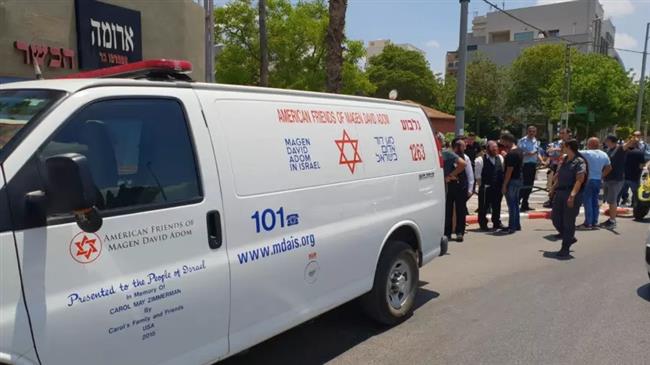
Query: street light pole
column 462, row 68
column 208, row 6
column 639, row 105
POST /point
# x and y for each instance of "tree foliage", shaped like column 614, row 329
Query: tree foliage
column 406, row 71
column 296, row 42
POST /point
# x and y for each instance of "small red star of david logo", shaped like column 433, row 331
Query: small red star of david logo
column 343, row 158
column 85, row 248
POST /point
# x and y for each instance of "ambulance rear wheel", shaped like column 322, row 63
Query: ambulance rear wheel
column 392, row 297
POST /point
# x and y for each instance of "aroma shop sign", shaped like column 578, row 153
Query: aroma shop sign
column 143, row 236
column 107, row 35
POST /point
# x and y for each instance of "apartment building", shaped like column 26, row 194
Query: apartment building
column 502, row 38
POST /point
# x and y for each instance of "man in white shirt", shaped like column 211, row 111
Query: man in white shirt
column 489, row 171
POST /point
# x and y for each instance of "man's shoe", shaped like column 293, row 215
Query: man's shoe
column 484, row 228
column 584, row 227
column 608, row 224
column 558, row 236
column 459, row 238
column 562, row 254
column 525, row 209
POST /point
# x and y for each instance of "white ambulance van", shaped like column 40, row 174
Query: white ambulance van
column 172, row 222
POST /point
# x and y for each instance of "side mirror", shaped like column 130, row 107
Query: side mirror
column 70, row 189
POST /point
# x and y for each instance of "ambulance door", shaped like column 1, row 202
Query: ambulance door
column 151, row 286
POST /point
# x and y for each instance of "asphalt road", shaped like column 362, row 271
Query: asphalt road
column 499, row 300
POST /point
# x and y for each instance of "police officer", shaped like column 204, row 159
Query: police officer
column 489, row 178
column 567, row 195
column 457, row 183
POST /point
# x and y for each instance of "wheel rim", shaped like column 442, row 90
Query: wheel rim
column 398, row 286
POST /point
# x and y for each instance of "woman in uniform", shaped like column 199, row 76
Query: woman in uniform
column 567, row 195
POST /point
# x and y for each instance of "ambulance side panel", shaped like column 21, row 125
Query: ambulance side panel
column 311, row 189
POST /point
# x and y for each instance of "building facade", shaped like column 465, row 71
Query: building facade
column 582, row 22
column 68, row 36
column 376, row 47
column 451, row 64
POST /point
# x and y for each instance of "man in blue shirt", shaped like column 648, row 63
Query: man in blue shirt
column 598, row 166
column 529, row 146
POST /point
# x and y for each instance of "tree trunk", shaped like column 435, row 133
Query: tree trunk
column 334, row 43
column 264, row 50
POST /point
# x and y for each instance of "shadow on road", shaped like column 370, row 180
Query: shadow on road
column 322, row 339
column 553, row 255
column 552, row 237
column 644, row 292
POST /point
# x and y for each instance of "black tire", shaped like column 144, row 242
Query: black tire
column 640, row 211
column 376, row 302
column 444, row 246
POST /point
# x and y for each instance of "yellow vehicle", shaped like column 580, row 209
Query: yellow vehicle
column 643, row 202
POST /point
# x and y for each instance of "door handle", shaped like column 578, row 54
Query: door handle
column 214, row 229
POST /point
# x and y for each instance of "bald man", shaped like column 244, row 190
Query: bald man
column 489, row 172
column 598, row 167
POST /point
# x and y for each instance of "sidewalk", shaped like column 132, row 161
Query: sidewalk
column 536, row 202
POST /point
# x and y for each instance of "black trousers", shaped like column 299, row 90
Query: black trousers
column 529, row 170
column 489, row 198
column 564, row 218
column 456, row 198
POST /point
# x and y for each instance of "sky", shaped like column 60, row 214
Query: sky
column 433, row 25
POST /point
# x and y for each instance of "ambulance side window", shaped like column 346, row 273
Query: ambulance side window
column 139, row 152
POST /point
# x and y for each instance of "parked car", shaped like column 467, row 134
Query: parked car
column 172, row 222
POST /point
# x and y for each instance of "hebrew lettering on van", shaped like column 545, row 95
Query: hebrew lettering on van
column 387, row 150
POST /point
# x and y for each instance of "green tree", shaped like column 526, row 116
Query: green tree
column 486, row 96
column 406, row 71
column 600, row 83
column 446, row 96
column 534, row 77
column 296, row 46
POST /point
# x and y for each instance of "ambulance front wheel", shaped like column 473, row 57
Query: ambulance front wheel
column 392, row 297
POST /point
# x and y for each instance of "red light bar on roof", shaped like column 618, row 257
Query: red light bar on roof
column 135, row 69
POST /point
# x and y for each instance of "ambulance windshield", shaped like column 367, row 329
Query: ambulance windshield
column 20, row 107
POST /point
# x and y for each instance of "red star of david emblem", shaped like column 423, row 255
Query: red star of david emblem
column 85, row 248
column 82, row 250
column 343, row 158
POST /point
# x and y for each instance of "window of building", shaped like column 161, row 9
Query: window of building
column 524, row 36
column 553, row 33
column 139, row 151
column 472, row 47
column 500, row 37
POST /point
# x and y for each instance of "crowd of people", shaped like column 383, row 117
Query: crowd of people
column 507, row 168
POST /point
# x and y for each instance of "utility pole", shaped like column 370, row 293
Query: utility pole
column 567, row 73
column 462, row 68
column 639, row 105
column 208, row 6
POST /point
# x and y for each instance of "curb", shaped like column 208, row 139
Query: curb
column 473, row 219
